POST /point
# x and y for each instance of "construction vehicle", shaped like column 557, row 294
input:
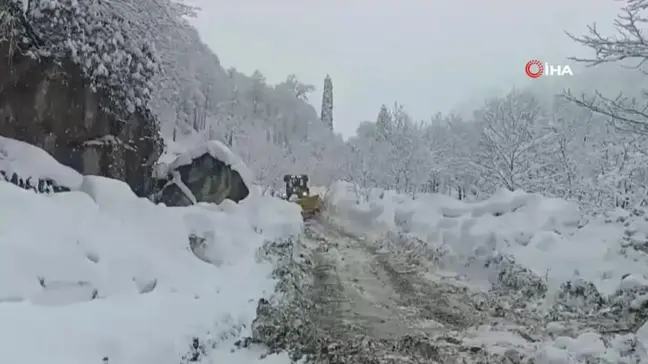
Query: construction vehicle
column 297, row 185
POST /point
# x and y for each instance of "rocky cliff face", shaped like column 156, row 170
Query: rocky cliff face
column 50, row 104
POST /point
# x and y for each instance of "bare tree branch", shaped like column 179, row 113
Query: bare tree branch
column 626, row 114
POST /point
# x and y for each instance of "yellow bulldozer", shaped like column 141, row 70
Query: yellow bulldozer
column 297, row 185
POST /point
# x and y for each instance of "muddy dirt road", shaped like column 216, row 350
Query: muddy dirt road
column 346, row 299
column 364, row 292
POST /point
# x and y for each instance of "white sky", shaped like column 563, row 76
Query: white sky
column 429, row 55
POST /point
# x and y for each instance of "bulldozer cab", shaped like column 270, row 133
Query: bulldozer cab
column 296, row 185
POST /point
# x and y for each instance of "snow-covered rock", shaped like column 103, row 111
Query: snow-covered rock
column 209, row 172
column 31, row 167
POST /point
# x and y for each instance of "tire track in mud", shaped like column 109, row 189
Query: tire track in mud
column 446, row 305
column 327, row 294
column 356, row 299
column 430, row 303
column 366, row 296
column 422, row 306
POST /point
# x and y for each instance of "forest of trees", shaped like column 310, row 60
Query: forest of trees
column 589, row 148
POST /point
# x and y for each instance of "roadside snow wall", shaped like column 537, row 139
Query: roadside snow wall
column 549, row 236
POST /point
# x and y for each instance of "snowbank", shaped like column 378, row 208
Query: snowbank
column 542, row 234
column 341, row 202
column 99, row 273
column 30, row 162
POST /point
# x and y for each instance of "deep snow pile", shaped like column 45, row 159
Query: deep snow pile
column 98, row 274
column 578, row 283
column 547, row 235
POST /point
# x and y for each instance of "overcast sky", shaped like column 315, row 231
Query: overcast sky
column 429, row 55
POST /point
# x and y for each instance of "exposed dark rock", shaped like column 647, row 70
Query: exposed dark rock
column 42, row 185
column 581, row 294
column 172, row 195
column 197, row 352
column 419, row 346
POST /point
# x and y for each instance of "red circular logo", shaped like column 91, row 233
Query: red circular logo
column 534, row 68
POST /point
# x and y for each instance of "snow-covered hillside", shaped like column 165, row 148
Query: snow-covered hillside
column 98, row 274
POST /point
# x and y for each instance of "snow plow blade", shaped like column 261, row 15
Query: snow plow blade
column 311, row 206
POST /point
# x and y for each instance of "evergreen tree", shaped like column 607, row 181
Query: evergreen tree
column 327, row 102
column 383, row 122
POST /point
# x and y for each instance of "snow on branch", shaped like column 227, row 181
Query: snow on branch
column 111, row 41
column 629, row 44
column 626, row 114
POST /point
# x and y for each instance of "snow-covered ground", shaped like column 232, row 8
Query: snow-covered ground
column 98, row 274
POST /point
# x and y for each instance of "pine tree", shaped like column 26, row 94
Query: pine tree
column 383, row 122
column 327, row 102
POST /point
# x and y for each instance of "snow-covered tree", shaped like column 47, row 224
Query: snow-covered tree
column 568, row 131
column 366, row 160
column 410, row 158
column 327, row 102
column 511, row 135
column 383, row 122
column 629, row 45
column 300, row 90
column 391, row 153
column 263, row 156
column 111, row 41
column 453, row 143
